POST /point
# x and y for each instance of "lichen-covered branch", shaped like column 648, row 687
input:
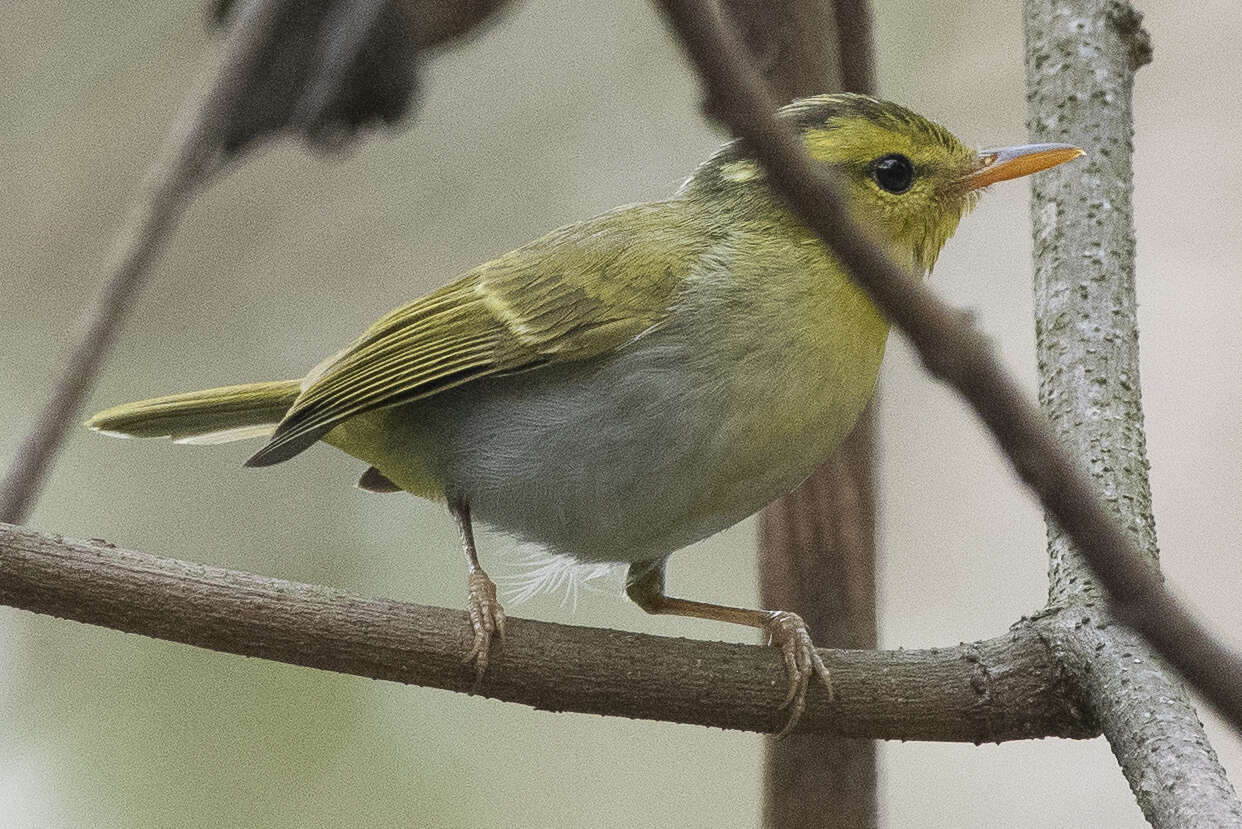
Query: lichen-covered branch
column 1081, row 57
column 1002, row 689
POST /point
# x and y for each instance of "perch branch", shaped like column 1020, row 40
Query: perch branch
column 955, row 352
column 1001, row 689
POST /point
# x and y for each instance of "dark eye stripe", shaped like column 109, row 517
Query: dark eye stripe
column 894, row 173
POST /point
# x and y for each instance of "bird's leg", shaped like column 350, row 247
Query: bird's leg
column 644, row 584
column 487, row 617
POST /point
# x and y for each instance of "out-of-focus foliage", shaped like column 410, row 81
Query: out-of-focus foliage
column 328, row 69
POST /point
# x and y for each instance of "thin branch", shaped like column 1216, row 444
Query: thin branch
column 189, row 155
column 954, row 351
column 1001, row 689
column 322, row 70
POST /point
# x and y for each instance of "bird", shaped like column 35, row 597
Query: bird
column 624, row 386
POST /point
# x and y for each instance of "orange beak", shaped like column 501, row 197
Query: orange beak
column 1014, row 162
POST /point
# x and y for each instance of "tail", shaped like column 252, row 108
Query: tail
column 209, row 416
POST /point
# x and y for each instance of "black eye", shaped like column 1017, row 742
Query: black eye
column 894, row 173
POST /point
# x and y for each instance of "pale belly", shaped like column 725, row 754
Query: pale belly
column 635, row 456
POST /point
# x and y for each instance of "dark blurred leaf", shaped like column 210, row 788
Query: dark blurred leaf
column 330, row 69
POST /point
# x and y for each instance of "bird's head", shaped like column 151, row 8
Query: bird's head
column 907, row 179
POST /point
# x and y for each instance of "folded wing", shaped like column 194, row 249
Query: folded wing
column 578, row 292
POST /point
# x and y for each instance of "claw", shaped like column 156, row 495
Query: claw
column 487, row 617
column 788, row 632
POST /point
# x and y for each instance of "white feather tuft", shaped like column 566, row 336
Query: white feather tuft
column 538, row 571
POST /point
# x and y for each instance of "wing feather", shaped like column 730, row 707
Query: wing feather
column 578, row 292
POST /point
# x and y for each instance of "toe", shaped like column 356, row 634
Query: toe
column 791, row 672
column 821, row 671
column 788, row 632
column 498, row 617
column 795, row 714
column 487, row 618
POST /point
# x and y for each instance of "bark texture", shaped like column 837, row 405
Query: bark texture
column 1086, row 329
column 1000, row 689
column 1081, row 59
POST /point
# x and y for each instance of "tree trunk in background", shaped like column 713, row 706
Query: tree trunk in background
column 817, row 557
column 817, row 544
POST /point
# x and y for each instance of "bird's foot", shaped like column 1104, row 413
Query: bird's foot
column 788, row 632
column 487, row 618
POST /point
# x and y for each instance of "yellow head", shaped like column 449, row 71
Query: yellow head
column 908, row 179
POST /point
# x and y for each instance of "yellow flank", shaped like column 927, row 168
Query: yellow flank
column 374, row 437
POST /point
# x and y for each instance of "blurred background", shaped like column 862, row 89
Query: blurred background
column 560, row 111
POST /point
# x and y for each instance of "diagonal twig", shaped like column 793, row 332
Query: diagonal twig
column 325, row 71
column 189, row 156
column 955, row 352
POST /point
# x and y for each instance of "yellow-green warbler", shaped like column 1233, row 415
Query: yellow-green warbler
column 627, row 385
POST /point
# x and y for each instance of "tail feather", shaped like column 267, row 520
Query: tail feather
column 209, row 416
column 283, row 447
